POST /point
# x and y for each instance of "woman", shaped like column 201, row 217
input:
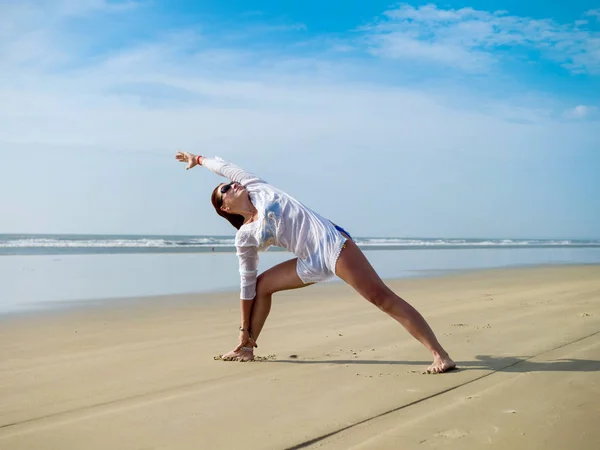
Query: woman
column 265, row 216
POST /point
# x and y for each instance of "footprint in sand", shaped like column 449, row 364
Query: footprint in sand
column 585, row 314
column 256, row 358
column 451, row 434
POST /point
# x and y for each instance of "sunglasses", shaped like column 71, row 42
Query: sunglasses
column 226, row 187
column 223, row 191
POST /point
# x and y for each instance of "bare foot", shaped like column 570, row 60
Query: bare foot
column 441, row 365
column 240, row 355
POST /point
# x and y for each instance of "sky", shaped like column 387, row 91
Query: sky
column 416, row 119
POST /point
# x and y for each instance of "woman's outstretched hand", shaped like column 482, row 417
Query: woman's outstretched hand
column 189, row 158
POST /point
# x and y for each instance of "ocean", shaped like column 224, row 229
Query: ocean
column 57, row 271
column 52, row 244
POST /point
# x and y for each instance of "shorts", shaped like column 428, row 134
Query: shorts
column 320, row 265
column 341, row 230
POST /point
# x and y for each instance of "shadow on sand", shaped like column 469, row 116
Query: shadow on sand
column 482, row 362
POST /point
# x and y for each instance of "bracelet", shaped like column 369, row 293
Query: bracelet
column 244, row 329
column 198, row 160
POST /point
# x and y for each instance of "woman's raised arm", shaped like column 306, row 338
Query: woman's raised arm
column 218, row 166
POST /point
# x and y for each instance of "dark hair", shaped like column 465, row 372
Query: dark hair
column 234, row 219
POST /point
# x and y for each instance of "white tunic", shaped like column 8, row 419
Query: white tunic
column 284, row 222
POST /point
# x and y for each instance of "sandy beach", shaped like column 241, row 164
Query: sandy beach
column 337, row 373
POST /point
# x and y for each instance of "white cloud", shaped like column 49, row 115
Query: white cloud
column 160, row 94
column 35, row 34
column 580, row 112
column 594, row 12
column 83, row 7
column 404, row 45
column 290, row 27
column 468, row 39
column 165, row 95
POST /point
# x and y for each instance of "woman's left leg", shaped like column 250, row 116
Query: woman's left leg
column 281, row 277
column 354, row 268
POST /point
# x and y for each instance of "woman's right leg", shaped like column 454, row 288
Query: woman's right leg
column 354, row 268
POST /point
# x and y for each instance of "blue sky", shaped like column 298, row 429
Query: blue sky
column 454, row 119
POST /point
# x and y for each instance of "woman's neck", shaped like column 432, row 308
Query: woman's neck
column 248, row 212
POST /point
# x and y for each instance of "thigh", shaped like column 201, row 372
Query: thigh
column 281, row 277
column 353, row 267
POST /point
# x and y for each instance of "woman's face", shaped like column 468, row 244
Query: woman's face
column 231, row 195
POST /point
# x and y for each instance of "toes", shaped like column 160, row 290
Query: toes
column 238, row 356
column 440, row 367
column 433, row 370
column 231, row 356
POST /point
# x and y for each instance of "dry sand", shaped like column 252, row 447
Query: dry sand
column 141, row 374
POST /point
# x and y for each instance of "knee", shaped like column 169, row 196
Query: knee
column 262, row 286
column 382, row 298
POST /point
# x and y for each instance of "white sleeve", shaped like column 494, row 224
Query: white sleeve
column 229, row 171
column 248, row 258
